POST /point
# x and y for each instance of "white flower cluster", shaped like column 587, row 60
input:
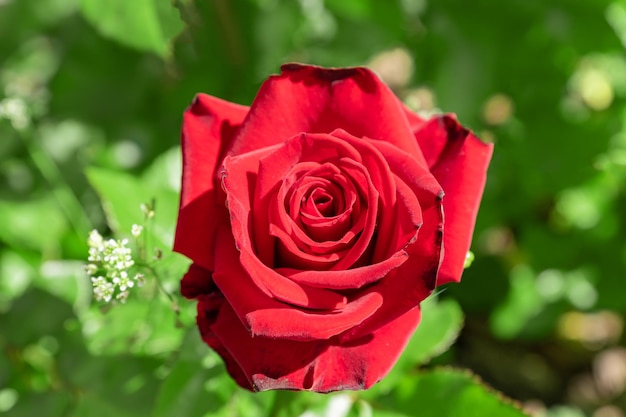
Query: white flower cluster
column 108, row 267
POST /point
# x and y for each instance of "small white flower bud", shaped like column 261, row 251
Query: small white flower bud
column 91, row 269
column 140, row 279
column 147, row 211
column 136, row 230
column 95, row 239
column 122, row 296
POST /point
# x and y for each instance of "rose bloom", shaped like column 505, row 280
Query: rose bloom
column 317, row 220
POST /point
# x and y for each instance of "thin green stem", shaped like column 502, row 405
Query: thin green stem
column 160, row 286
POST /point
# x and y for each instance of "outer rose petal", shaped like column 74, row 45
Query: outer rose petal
column 459, row 161
column 268, row 317
column 196, row 282
column 207, row 313
column 321, row 366
column 415, row 121
column 209, row 125
column 319, row 100
column 352, row 278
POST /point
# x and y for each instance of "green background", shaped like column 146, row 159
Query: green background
column 91, row 98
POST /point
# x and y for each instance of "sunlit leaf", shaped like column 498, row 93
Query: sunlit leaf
column 129, row 384
column 16, row 274
column 122, row 196
column 35, row 224
column 447, row 392
column 439, row 327
column 198, row 385
column 142, row 24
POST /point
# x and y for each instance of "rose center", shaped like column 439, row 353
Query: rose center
column 320, row 202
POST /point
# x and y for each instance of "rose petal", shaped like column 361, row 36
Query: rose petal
column 265, row 316
column 330, row 192
column 240, row 182
column 408, row 221
column 346, row 279
column 321, row 365
column 311, row 232
column 197, row 281
column 206, row 316
column 415, row 121
column 319, row 100
column 210, row 301
column 291, row 254
column 414, row 181
column 239, row 175
column 410, row 284
column 375, row 162
column 246, row 266
column 383, row 178
column 275, row 166
column 459, row 161
column 360, row 176
column 284, row 289
column 209, row 125
column 290, row 323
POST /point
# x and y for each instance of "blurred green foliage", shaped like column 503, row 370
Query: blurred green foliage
column 91, row 97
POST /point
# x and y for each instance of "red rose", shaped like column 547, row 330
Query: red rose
column 315, row 222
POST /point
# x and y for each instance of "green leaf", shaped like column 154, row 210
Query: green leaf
column 32, row 403
column 616, row 16
column 122, row 196
column 36, row 224
column 138, row 326
column 448, row 392
column 166, row 170
column 118, row 385
column 199, row 385
column 16, row 274
column 295, row 403
column 441, row 323
column 143, row 24
column 354, row 9
column 440, row 326
column 67, row 280
column 45, row 314
column 184, row 385
column 523, row 304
